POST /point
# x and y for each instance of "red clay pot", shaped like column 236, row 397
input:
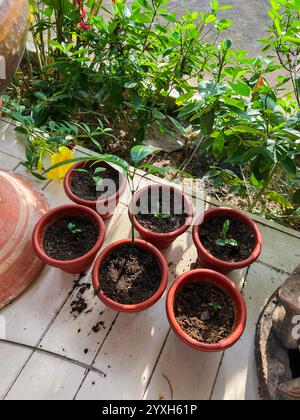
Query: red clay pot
column 21, row 206
column 207, row 259
column 161, row 240
column 104, row 207
column 229, row 288
column 80, row 265
column 139, row 306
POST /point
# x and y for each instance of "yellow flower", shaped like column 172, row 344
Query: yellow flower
column 64, row 154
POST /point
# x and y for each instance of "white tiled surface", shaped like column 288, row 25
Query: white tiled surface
column 138, row 354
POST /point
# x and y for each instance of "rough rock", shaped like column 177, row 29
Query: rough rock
column 287, row 310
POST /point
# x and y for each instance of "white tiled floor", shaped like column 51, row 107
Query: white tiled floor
column 138, row 354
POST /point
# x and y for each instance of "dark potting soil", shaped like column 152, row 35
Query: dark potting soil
column 205, row 312
column 174, row 216
column 130, row 275
column 61, row 244
column 212, row 230
column 84, row 186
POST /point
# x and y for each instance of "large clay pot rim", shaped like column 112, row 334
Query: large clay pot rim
column 223, row 283
column 91, row 203
column 236, row 214
column 138, row 306
column 160, row 235
column 57, row 213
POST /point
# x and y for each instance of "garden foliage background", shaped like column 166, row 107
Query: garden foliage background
column 107, row 77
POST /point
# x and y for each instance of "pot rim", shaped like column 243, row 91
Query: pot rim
column 218, row 212
column 138, row 306
column 92, row 203
column 57, row 213
column 161, row 235
column 222, row 282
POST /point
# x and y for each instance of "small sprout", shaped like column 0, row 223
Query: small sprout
column 159, row 214
column 73, row 229
column 215, row 306
column 94, row 175
column 225, row 241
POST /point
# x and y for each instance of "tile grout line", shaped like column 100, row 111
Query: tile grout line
column 156, row 363
column 11, row 156
column 217, row 375
column 38, row 343
column 52, row 354
column 223, row 353
column 97, row 353
column 278, row 270
column 36, row 348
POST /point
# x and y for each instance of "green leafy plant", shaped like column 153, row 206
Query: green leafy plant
column 137, row 155
column 225, row 241
column 73, row 229
column 159, row 214
column 94, row 173
column 215, row 307
column 284, row 40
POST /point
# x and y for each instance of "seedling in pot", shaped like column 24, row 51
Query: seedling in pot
column 98, row 180
column 73, row 229
column 215, row 307
column 159, row 214
column 225, row 241
column 138, row 154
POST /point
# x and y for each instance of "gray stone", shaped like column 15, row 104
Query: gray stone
column 288, row 308
column 290, row 390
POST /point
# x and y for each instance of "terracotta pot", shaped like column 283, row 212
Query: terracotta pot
column 161, row 240
column 21, row 206
column 80, row 265
column 139, row 306
column 229, row 288
column 104, row 207
column 14, row 20
column 207, row 259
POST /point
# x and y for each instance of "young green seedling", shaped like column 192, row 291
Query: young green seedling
column 159, row 214
column 138, row 154
column 73, row 229
column 215, row 306
column 94, row 174
column 225, row 241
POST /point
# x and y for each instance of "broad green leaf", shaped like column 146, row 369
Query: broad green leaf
column 218, row 145
column 206, row 122
column 130, row 85
column 280, row 199
column 233, row 102
column 289, row 166
column 296, row 197
column 241, row 88
column 140, row 152
column 158, row 115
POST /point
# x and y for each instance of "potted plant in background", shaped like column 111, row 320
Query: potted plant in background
column 206, row 310
column 160, row 214
column 69, row 237
column 84, row 184
column 226, row 239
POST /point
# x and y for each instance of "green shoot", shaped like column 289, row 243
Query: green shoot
column 98, row 180
column 215, row 306
column 159, row 214
column 73, row 229
column 225, row 241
